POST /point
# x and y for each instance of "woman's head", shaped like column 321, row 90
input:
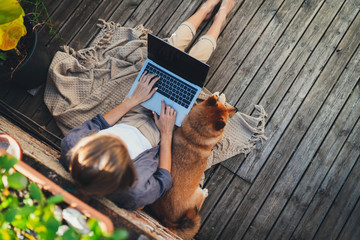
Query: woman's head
column 100, row 164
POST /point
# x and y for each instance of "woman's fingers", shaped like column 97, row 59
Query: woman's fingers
column 162, row 107
column 146, row 78
column 152, row 83
column 142, row 78
column 169, row 110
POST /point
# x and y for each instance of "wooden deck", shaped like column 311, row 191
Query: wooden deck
column 300, row 61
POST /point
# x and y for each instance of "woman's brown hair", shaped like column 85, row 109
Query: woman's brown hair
column 100, row 163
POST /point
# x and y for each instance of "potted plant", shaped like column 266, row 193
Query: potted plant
column 22, row 64
column 25, row 211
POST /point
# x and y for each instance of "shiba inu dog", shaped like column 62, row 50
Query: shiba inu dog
column 192, row 143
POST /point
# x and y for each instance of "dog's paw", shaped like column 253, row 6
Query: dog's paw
column 205, row 192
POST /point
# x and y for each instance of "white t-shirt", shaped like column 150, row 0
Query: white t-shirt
column 135, row 141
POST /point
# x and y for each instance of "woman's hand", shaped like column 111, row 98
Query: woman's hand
column 165, row 122
column 145, row 88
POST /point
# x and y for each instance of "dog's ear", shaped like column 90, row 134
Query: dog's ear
column 212, row 101
column 220, row 124
column 231, row 110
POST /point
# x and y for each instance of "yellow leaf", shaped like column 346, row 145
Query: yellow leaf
column 11, row 32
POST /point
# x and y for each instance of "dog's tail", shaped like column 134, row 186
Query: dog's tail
column 188, row 225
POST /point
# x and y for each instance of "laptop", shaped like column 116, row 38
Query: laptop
column 181, row 78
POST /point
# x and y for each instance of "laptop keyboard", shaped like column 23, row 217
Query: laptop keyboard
column 171, row 87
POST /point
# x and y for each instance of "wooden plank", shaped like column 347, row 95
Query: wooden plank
column 351, row 230
column 342, row 207
column 243, row 75
column 31, row 103
column 298, row 167
column 42, row 115
column 216, row 186
column 51, row 5
column 234, row 30
column 297, row 127
column 243, row 45
column 298, row 83
column 293, row 65
column 188, row 7
column 52, row 127
column 254, row 86
column 323, row 160
column 72, row 25
column 27, row 124
column 330, row 187
column 142, row 13
column 161, row 15
column 103, row 11
column 211, row 228
column 15, row 97
column 59, row 17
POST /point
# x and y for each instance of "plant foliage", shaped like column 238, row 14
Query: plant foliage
column 25, row 212
column 12, row 26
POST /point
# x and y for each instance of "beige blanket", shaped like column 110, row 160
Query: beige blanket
column 93, row 80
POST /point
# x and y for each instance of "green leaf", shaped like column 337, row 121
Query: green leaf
column 2, row 219
column 17, row 181
column 10, row 10
column 9, row 201
column 119, row 234
column 26, row 211
column 55, row 199
column 70, row 234
column 36, row 193
column 95, row 227
column 7, row 162
column 34, row 221
column 52, row 224
column 20, row 223
column 3, row 56
column 10, row 214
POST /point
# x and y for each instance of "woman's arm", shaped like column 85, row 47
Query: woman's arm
column 143, row 92
column 165, row 124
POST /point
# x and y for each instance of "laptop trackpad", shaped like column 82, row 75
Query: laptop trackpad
column 154, row 104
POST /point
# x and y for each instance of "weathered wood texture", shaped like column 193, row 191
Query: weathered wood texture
column 299, row 59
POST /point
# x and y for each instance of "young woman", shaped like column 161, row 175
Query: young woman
column 126, row 153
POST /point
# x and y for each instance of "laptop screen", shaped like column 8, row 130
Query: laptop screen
column 177, row 61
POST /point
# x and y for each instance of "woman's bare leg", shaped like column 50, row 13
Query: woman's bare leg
column 220, row 18
column 184, row 34
column 203, row 49
column 203, row 13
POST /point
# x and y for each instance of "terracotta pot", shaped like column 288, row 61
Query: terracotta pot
column 50, row 186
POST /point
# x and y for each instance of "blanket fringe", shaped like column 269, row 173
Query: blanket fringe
column 259, row 135
column 107, row 31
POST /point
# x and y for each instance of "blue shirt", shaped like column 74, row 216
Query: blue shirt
column 152, row 182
